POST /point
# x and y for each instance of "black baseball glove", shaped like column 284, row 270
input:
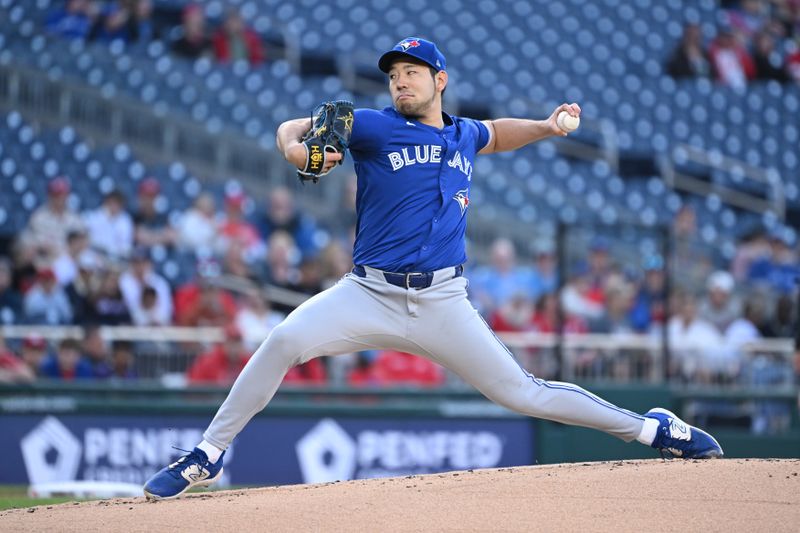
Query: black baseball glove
column 331, row 127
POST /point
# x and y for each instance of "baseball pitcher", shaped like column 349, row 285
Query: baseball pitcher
column 407, row 291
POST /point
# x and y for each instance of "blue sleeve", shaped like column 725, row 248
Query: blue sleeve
column 481, row 133
column 371, row 131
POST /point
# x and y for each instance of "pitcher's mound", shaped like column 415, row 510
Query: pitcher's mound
column 717, row 495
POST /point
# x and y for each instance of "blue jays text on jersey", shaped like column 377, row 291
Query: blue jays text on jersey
column 413, row 189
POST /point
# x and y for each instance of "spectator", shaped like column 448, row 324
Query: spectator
column 745, row 329
column 223, row 363
column 492, row 286
column 783, row 322
column 544, row 268
column 579, row 297
column 600, row 265
column 764, row 369
column 198, row 228
column 49, row 224
column 66, row 265
column 256, row 319
column 26, row 264
column 778, row 270
column 33, row 353
column 793, row 61
column 768, row 61
column 233, row 263
column 95, row 349
column 135, row 280
column 754, row 246
column 357, row 370
column 123, row 360
column 747, row 18
column 616, row 318
column 334, row 261
column 84, row 286
column 720, row 307
column 67, row 363
column 73, row 20
column 690, row 260
column 543, row 361
column 649, row 305
column 282, row 258
column 12, row 368
column 310, row 279
column 46, row 302
column 234, row 41
column 235, row 230
column 108, row 305
column 394, row 368
column 148, row 314
column 343, row 226
column 282, row 214
column 310, row 373
column 151, row 227
column 201, row 302
column 110, row 227
column 514, row 315
column 689, row 60
column 127, row 20
column 697, row 345
column 545, row 317
column 731, row 61
column 10, row 298
column 193, row 42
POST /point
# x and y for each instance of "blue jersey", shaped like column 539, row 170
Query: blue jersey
column 413, row 189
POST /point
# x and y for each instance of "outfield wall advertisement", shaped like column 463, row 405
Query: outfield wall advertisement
column 57, row 448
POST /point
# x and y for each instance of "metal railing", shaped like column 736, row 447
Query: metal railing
column 622, row 358
column 769, row 178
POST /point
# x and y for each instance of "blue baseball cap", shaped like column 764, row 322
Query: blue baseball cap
column 417, row 48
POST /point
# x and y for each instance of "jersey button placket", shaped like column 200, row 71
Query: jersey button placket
column 448, row 148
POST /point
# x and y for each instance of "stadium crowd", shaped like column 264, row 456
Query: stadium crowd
column 95, row 268
column 756, row 40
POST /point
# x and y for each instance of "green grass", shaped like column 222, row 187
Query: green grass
column 16, row 497
column 20, row 503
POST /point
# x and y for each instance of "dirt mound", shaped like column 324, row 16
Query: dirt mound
column 723, row 495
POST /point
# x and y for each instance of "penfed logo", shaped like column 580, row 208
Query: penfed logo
column 328, row 453
column 51, row 452
column 54, row 453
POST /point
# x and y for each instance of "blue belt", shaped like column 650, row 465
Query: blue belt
column 407, row 280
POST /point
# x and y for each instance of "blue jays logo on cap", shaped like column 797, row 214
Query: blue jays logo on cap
column 414, row 47
column 408, row 43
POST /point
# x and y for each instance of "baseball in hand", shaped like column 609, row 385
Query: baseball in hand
column 567, row 122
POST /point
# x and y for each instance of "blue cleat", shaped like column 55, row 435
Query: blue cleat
column 679, row 439
column 192, row 470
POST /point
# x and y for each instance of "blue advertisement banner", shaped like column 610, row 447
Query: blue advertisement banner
column 45, row 449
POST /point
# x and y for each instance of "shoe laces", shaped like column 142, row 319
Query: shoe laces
column 668, row 446
column 191, row 457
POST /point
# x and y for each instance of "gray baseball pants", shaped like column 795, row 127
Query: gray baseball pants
column 438, row 323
